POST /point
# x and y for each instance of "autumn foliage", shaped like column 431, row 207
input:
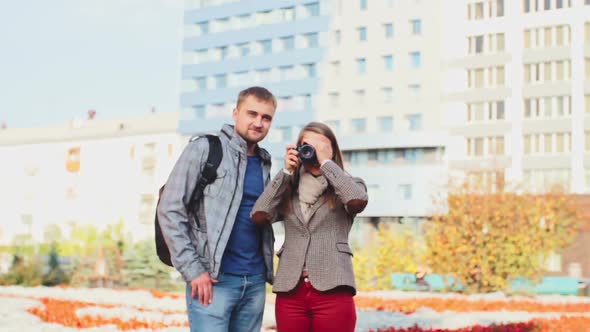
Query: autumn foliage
column 485, row 239
column 388, row 252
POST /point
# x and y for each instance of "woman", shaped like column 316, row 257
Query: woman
column 317, row 201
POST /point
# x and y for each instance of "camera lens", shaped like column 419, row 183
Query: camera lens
column 306, row 151
column 307, row 154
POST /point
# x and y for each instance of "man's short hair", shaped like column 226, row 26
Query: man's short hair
column 260, row 93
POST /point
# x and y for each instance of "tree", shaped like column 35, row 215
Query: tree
column 390, row 251
column 144, row 269
column 485, row 238
column 55, row 275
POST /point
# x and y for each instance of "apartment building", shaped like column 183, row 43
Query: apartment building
column 92, row 171
column 520, row 114
column 369, row 69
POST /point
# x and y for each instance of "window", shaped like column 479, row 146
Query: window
column 548, row 143
column 241, row 78
column 334, row 125
column 500, row 110
column 266, row 46
column 478, row 146
column 479, row 10
column 527, row 6
column 405, row 191
column 337, row 37
column 560, row 70
column 311, row 40
column 312, row 9
column 286, row 73
column 203, row 28
column 559, row 4
column 265, row 17
column 334, row 99
column 200, row 111
column 335, row 68
column 310, row 70
column 263, row 75
column 220, row 53
column 358, row 125
column 73, row 160
column 388, row 62
column 364, row 4
column 500, row 79
column 560, row 35
column 359, row 97
column 244, row 49
column 201, row 83
column 416, row 26
column 288, row 43
column 500, row 42
column 244, row 21
column 388, row 29
column 220, row 81
column 414, row 121
column 414, row 90
column 288, row 14
column 479, row 44
column 387, row 93
column 202, row 55
column 361, row 66
column 362, row 33
column 547, row 4
column 499, row 8
column 385, row 124
column 415, row 59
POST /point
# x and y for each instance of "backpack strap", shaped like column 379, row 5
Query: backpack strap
column 209, row 172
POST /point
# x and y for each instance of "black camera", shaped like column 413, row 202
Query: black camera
column 307, row 154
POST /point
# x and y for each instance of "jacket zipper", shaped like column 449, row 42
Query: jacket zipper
column 227, row 214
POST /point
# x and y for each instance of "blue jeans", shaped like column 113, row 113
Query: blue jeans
column 238, row 305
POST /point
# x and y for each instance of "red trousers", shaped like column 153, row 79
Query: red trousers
column 307, row 309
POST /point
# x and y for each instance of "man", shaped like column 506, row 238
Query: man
column 222, row 255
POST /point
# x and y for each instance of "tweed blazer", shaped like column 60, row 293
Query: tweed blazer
column 322, row 243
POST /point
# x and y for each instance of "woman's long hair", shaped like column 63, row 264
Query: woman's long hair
column 322, row 129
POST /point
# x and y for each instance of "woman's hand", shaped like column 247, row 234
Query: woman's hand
column 322, row 146
column 291, row 158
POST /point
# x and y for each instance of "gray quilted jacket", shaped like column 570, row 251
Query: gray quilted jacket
column 196, row 249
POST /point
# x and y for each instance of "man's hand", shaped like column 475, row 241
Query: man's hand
column 202, row 286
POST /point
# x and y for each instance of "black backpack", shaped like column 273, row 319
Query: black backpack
column 207, row 177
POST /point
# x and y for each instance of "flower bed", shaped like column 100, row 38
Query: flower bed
column 70, row 309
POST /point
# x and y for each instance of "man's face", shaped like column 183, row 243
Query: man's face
column 253, row 119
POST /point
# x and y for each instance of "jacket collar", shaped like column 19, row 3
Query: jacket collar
column 238, row 143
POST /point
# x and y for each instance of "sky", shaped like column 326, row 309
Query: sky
column 60, row 58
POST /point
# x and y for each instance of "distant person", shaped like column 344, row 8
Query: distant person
column 222, row 255
column 317, row 200
column 421, row 283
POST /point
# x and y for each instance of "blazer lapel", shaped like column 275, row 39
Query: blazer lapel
column 297, row 209
column 320, row 202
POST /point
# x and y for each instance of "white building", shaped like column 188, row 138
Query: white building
column 92, row 171
column 521, row 114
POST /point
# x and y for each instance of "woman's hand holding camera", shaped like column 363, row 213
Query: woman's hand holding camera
column 322, row 146
column 291, row 158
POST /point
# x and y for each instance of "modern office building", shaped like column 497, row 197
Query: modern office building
column 370, row 69
column 520, row 115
